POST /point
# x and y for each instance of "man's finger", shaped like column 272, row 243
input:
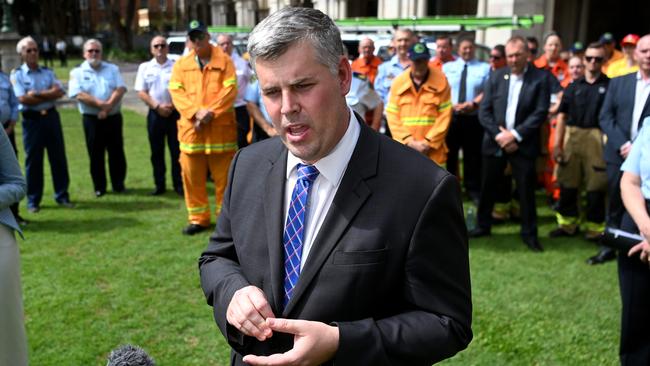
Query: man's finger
column 635, row 249
column 261, row 304
column 275, row 359
column 290, row 326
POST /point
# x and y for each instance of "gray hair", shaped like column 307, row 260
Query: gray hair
column 129, row 355
column 273, row 36
column 20, row 46
column 92, row 41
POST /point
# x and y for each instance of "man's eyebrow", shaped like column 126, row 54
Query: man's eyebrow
column 306, row 79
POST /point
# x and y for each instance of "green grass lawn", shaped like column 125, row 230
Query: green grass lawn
column 117, row 270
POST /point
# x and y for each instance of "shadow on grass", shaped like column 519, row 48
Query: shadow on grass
column 76, row 226
column 503, row 243
column 124, row 206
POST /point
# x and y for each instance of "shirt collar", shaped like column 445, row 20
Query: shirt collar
column 165, row 64
column 86, row 65
column 26, row 68
column 332, row 166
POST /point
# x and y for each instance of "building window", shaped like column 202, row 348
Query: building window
column 144, row 4
column 83, row 4
column 163, row 5
column 101, row 4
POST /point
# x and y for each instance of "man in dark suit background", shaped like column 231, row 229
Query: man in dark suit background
column 626, row 105
column 372, row 267
column 515, row 103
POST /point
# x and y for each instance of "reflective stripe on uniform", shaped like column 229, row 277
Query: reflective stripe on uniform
column 208, row 148
column 175, row 85
column 418, row 121
column 445, row 105
column 200, row 209
column 393, row 108
column 566, row 220
column 593, row 226
column 229, row 82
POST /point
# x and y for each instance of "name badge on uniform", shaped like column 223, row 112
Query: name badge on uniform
column 602, row 90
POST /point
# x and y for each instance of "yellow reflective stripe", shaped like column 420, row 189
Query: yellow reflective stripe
column 443, row 106
column 188, row 147
column 566, row 220
column 175, row 85
column 229, row 82
column 594, row 226
column 418, row 121
column 200, row 209
column 391, row 107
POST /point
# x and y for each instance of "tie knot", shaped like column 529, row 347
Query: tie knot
column 307, row 172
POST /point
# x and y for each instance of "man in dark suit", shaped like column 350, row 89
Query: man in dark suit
column 626, row 105
column 515, row 103
column 372, row 266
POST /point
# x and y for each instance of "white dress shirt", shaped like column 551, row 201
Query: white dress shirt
column 331, row 168
column 514, row 89
column 153, row 78
column 640, row 97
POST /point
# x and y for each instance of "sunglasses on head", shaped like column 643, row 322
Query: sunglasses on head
column 161, row 45
column 197, row 37
column 594, row 58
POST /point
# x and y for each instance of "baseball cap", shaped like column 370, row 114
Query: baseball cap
column 196, row 26
column 419, row 51
column 630, row 39
column 607, row 38
column 577, row 47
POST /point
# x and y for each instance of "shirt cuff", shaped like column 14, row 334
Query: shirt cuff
column 516, row 135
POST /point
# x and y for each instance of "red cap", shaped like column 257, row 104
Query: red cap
column 630, row 39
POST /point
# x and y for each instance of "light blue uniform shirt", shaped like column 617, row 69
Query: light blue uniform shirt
column 8, row 100
column 98, row 83
column 477, row 73
column 25, row 80
column 385, row 75
column 153, row 78
column 254, row 95
column 638, row 161
column 12, row 183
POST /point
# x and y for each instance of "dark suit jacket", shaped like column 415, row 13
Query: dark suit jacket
column 532, row 109
column 616, row 115
column 389, row 265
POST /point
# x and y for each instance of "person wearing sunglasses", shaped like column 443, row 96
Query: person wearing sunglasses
column 203, row 87
column 98, row 88
column 151, row 83
column 578, row 149
column 37, row 89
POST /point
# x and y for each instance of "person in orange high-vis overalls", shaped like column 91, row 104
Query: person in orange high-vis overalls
column 552, row 62
column 203, row 87
column 419, row 106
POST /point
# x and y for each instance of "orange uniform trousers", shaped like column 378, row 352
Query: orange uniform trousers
column 194, row 168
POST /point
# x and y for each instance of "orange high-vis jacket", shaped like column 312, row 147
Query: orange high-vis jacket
column 421, row 115
column 369, row 69
column 213, row 88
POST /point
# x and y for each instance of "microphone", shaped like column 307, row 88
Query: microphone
column 129, row 355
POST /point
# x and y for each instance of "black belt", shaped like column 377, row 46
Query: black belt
column 38, row 114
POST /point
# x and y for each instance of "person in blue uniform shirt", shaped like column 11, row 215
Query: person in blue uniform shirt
column 262, row 125
column 466, row 76
column 363, row 98
column 8, row 117
column 98, row 88
column 37, row 89
column 151, row 83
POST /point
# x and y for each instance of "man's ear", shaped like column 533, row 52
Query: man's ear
column 344, row 74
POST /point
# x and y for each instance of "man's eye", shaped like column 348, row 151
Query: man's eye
column 270, row 93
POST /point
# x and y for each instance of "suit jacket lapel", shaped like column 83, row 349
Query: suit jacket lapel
column 504, row 86
column 350, row 196
column 274, row 215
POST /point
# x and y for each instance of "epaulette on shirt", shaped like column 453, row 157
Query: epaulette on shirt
column 359, row 75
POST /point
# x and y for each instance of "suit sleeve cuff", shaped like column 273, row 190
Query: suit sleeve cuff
column 516, row 135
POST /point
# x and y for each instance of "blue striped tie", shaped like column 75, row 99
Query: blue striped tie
column 294, row 228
